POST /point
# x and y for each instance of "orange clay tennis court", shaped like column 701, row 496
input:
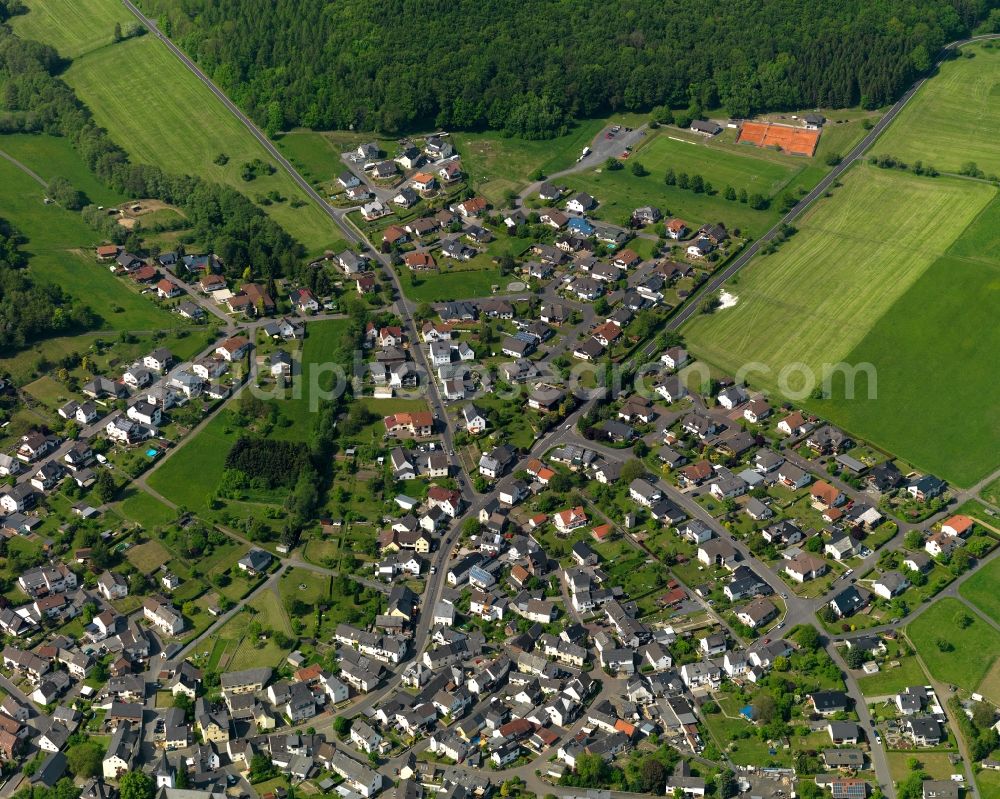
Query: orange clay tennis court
column 797, row 141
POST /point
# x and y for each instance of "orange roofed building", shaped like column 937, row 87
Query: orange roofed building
column 420, row 423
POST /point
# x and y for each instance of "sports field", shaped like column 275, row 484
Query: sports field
column 855, row 254
column 73, row 27
column 962, row 657
column 162, row 114
column 954, row 117
column 787, row 138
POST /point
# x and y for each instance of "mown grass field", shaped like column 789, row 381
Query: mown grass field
column 754, row 170
column 863, row 281
column 444, row 286
column 973, row 649
column 128, row 86
column 190, row 475
column 162, row 114
column 73, row 27
column 54, row 156
column 981, row 589
column 854, row 255
column 52, row 233
column 954, row 117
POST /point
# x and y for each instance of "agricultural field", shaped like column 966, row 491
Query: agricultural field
column 981, row 589
column 861, row 282
column 948, row 317
column 956, row 655
column 981, row 240
column 73, row 27
column 126, row 86
column 953, row 119
column 57, row 241
column 854, row 255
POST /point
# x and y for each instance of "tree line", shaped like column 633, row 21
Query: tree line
column 30, row 310
column 34, row 99
column 530, row 69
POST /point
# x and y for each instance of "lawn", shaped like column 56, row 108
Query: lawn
column 936, row 764
column 144, row 509
column 191, row 473
column 947, row 317
column 445, row 286
column 989, row 784
column 127, row 86
column 54, row 156
column 52, row 233
column 953, row 118
column 981, row 589
column 73, row 27
column 149, row 556
column 892, row 681
column 972, row 649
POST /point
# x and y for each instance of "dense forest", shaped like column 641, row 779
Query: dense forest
column 29, row 310
column 34, row 99
column 528, row 67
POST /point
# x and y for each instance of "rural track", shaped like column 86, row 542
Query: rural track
column 259, row 135
column 26, row 170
